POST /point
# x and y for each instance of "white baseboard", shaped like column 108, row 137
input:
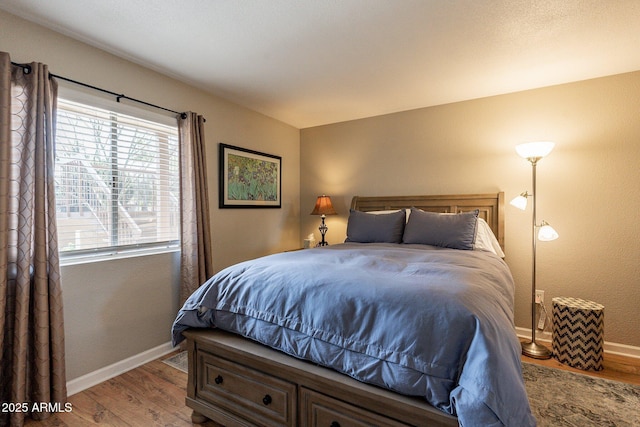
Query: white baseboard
column 609, row 347
column 103, row 374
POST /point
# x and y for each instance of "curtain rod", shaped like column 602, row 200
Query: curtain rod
column 26, row 68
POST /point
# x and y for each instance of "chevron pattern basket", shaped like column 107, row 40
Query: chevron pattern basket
column 578, row 333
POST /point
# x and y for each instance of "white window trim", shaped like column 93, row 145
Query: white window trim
column 98, row 99
column 77, row 259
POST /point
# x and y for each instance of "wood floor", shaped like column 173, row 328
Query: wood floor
column 150, row 395
column 616, row 368
column 153, row 395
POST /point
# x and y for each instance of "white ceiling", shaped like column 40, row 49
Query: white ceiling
column 313, row 62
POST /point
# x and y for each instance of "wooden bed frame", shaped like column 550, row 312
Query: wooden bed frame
column 237, row 382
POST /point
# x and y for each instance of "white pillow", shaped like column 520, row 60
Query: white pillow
column 383, row 212
column 486, row 240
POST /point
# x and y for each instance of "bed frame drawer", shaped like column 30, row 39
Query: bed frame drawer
column 320, row 410
column 264, row 399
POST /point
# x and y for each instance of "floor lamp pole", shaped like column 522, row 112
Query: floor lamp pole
column 532, row 348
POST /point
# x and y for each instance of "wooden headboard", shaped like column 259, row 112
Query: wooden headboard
column 490, row 206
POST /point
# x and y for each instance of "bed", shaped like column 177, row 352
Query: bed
column 409, row 322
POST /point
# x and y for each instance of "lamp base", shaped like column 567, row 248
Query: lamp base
column 323, row 230
column 536, row 351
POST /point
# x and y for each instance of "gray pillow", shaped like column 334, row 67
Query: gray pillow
column 375, row 228
column 448, row 231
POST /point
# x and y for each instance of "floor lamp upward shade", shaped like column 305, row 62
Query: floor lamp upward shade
column 533, row 152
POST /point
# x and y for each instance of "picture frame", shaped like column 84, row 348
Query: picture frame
column 249, row 179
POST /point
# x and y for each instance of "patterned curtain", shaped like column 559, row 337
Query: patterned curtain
column 196, row 261
column 32, row 366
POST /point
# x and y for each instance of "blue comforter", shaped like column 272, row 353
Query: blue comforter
column 419, row 320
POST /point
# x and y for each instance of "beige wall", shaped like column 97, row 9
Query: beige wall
column 589, row 186
column 107, row 317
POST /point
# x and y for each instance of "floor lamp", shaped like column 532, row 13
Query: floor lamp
column 533, row 152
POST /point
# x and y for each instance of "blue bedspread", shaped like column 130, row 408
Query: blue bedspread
column 419, row 320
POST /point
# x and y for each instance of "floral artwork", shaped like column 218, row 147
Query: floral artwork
column 248, row 178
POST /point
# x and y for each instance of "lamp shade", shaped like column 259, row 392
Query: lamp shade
column 323, row 206
column 546, row 233
column 520, row 201
column 534, row 150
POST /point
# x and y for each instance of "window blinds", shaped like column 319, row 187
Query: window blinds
column 117, row 180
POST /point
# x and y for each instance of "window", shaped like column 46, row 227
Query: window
column 117, row 181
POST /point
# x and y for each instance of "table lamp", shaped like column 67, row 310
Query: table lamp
column 323, row 207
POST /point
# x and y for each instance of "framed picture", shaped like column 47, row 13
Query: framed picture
column 249, row 179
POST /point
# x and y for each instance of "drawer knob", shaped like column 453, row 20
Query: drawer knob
column 266, row 399
column 335, row 424
column 219, row 379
